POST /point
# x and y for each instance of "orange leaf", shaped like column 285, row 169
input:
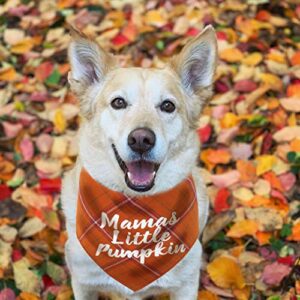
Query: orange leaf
column 207, row 295
column 23, row 46
column 295, row 236
column 65, row 3
column 204, row 157
column 28, row 296
column 242, row 294
column 263, row 238
column 293, row 90
column 231, row 55
column 295, row 60
column 274, row 181
column 242, row 228
column 247, row 170
column 220, row 156
column 226, row 273
column 295, row 145
column 8, row 74
column 258, row 201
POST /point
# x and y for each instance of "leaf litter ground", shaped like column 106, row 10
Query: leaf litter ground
column 250, row 136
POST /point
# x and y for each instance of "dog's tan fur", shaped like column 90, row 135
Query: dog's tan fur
column 96, row 79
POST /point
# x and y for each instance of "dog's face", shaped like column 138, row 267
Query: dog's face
column 142, row 120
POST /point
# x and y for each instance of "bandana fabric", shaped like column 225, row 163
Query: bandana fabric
column 136, row 240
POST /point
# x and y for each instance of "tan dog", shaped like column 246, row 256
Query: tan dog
column 138, row 138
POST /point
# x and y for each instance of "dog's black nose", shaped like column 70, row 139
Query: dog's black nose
column 141, row 140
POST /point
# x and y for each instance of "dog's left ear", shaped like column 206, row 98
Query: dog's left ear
column 196, row 63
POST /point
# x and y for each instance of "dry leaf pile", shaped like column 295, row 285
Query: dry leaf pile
column 250, row 133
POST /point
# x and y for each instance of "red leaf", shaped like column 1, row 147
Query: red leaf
column 288, row 260
column 50, row 185
column 221, row 200
column 16, row 255
column 5, row 192
column 47, row 281
column 245, row 86
column 192, row 31
column 120, row 40
column 205, row 133
column 267, row 143
column 44, row 70
column 221, row 35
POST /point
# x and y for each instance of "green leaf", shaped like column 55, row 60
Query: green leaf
column 286, row 230
column 257, row 121
column 54, row 78
column 276, row 244
column 160, row 45
column 291, row 156
column 56, row 272
column 51, row 296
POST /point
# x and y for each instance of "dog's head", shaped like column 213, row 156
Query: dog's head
column 139, row 130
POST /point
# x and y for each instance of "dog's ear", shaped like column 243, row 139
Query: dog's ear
column 196, row 63
column 89, row 65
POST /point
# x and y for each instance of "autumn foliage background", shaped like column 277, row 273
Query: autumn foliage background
column 250, row 135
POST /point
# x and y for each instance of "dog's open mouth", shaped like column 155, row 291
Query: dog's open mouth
column 139, row 174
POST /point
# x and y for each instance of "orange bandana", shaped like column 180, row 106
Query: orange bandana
column 136, row 240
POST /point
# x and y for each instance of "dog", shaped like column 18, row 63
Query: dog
column 138, row 138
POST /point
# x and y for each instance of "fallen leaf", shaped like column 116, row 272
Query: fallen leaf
column 225, row 180
column 264, row 163
column 231, row 55
column 206, row 295
column 226, row 273
column 31, row 227
column 221, row 200
column 8, row 74
column 243, row 228
column 291, row 104
column 274, row 273
column 243, row 194
column 216, row 224
column 26, row 280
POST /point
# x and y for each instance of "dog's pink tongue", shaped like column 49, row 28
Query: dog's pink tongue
column 141, row 172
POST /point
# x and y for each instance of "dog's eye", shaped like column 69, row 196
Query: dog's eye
column 118, row 103
column 167, row 106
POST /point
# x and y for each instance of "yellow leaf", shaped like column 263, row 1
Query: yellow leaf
column 242, row 228
column 207, row 295
column 23, row 46
column 253, row 59
column 59, row 121
column 229, row 120
column 226, row 273
column 231, row 55
column 8, row 74
column 155, row 18
column 264, row 163
column 292, row 120
column 272, row 80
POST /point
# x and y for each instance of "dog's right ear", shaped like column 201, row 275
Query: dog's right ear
column 89, row 65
